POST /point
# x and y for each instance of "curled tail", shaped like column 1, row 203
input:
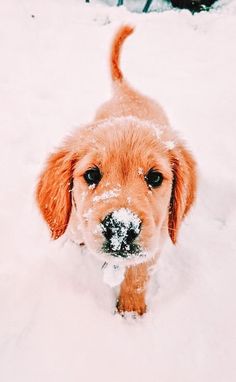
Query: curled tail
column 121, row 35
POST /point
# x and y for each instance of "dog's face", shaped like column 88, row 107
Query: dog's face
column 122, row 189
column 123, row 180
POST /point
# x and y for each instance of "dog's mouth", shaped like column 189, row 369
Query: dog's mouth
column 125, row 251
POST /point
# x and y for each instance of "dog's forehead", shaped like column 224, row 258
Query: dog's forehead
column 125, row 143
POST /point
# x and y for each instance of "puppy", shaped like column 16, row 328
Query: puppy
column 121, row 184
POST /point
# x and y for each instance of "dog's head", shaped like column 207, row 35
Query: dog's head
column 128, row 182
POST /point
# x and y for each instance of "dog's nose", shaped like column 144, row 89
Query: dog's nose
column 120, row 229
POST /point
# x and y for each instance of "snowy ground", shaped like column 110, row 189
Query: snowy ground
column 56, row 314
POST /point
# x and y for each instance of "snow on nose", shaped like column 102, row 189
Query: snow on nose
column 121, row 228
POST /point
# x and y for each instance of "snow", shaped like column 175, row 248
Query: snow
column 158, row 129
column 92, row 186
column 57, row 321
column 170, row 145
column 113, row 274
column 107, row 195
column 127, row 218
column 140, row 171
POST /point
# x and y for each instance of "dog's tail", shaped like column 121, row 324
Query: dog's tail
column 121, row 35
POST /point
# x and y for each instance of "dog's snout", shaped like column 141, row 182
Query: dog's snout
column 120, row 229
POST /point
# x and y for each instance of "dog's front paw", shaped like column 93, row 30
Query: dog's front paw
column 131, row 304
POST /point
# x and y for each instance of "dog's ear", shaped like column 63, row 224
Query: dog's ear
column 183, row 189
column 53, row 191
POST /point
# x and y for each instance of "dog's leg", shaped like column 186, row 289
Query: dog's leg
column 133, row 290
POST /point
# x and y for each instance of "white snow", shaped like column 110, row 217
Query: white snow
column 56, row 313
column 92, row 186
column 113, row 274
column 107, row 195
column 140, row 171
column 127, row 218
column 170, row 145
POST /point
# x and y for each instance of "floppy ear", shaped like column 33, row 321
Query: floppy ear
column 53, row 191
column 183, row 189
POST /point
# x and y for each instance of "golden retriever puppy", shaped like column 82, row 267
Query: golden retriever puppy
column 122, row 183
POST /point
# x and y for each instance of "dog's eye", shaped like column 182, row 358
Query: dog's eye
column 93, row 176
column 154, row 178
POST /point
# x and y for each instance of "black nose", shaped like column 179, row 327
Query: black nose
column 114, row 228
column 120, row 229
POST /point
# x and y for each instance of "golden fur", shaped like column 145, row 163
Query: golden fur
column 130, row 135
